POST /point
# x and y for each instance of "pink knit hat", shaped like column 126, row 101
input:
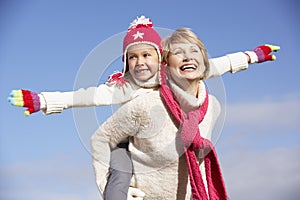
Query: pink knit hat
column 140, row 31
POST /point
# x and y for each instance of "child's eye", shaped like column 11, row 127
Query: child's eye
column 146, row 55
column 131, row 57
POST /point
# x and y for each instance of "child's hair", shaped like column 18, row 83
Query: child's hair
column 184, row 35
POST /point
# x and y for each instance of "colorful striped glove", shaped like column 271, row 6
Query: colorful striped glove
column 25, row 98
column 262, row 53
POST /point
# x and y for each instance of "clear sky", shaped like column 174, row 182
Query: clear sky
column 44, row 45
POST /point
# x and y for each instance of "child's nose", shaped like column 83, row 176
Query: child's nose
column 140, row 60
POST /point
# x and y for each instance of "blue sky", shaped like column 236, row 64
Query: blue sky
column 44, row 45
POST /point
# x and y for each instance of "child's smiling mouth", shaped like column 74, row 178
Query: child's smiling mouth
column 141, row 70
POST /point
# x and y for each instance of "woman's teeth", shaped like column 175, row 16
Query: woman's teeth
column 188, row 67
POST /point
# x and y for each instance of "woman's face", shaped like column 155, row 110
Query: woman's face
column 186, row 62
column 143, row 61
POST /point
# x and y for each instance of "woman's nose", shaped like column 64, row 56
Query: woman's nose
column 187, row 56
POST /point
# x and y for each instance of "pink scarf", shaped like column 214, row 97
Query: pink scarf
column 193, row 141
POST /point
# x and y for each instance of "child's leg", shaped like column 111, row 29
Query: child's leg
column 120, row 173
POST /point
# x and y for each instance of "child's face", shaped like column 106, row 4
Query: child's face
column 143, row 61
column 186, row 62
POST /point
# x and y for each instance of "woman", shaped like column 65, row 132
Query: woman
column 194, row 111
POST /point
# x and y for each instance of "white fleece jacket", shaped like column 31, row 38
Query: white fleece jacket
column 105, row 94
column 157, row 154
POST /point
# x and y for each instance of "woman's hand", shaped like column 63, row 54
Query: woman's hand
column 135, row 194
column 25, row 98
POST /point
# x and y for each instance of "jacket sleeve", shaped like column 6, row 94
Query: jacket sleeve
column 230, row 63
column 104, row 94
column 126, row 121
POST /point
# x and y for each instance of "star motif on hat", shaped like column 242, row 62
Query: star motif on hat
column 138, row 35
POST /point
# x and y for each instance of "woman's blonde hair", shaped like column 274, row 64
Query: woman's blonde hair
column 184, row 35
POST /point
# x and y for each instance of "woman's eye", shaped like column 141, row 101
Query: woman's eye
column 195, row 50
column 177, row 52
column 146, row 55
column 131, row 57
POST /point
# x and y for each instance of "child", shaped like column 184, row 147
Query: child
column 122, row 87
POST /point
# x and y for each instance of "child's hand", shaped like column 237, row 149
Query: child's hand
column 263, row 52
column 25, row 98
column 135, row 194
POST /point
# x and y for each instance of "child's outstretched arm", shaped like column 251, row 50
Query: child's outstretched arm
column 56, row 102
column 239, row 61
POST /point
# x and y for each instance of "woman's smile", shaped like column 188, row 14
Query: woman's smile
column 188, row 67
